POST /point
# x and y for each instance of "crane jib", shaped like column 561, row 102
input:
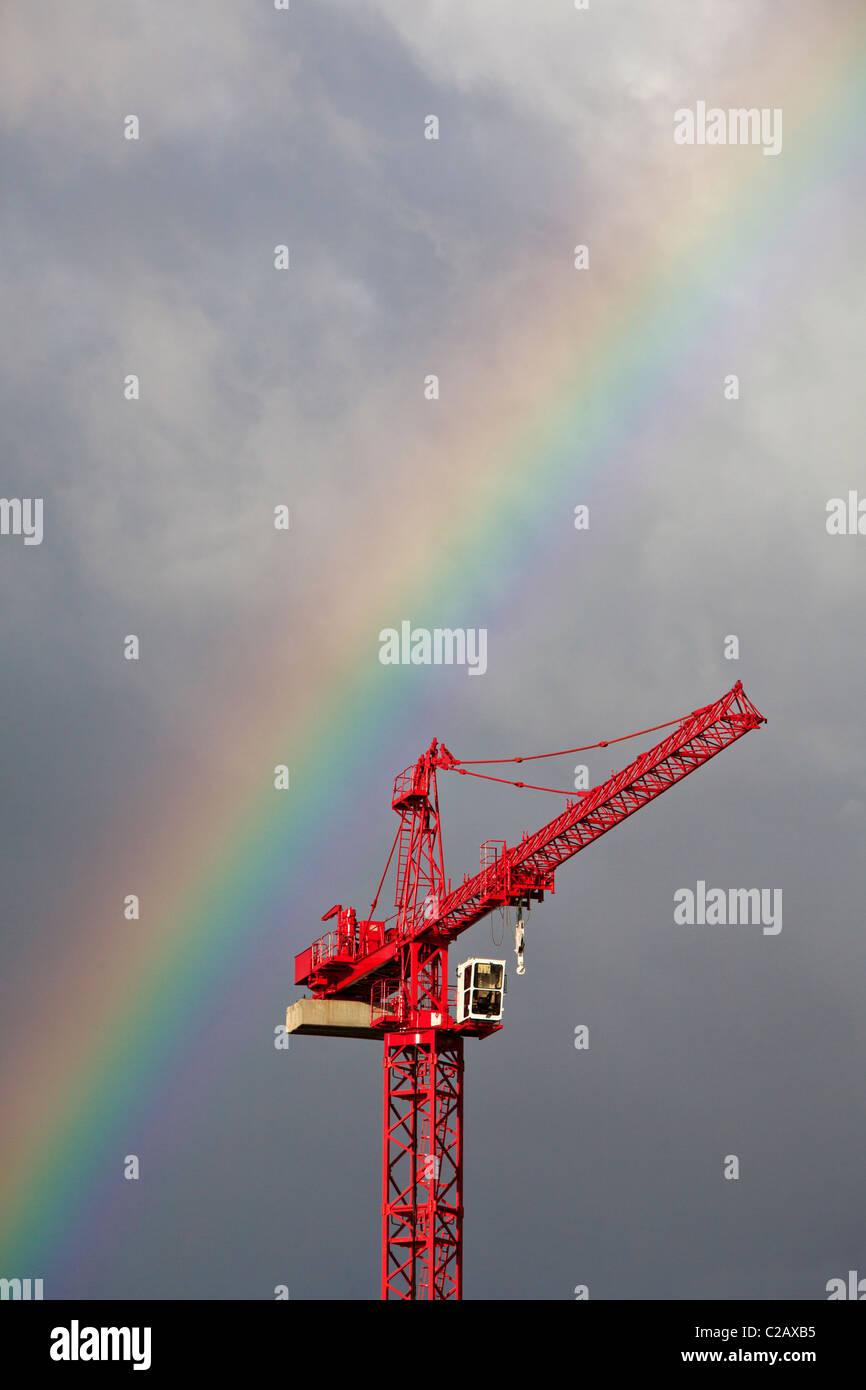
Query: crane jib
column 345, row 958
column 586, row 820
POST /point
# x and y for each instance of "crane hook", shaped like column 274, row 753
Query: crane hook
column 520, row 938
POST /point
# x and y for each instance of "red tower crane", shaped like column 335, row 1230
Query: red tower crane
column 388, row 979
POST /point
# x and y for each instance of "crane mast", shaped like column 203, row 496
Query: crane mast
column 392, row 976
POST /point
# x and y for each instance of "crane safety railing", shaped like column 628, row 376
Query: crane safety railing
column 331, row 944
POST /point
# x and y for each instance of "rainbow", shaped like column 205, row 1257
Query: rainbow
column 104, row 1044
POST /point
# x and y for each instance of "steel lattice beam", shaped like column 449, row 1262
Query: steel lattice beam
column 422, row 1177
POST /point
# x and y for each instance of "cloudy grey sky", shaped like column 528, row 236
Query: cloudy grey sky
column 155, row 256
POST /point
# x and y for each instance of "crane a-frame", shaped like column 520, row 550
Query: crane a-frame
column 388, row 979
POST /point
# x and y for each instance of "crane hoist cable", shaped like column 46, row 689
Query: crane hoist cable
column 503, row 917
column 384, row 872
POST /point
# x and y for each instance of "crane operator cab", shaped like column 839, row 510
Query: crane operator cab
column 480, row 988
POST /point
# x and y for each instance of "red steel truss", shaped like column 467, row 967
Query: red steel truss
column 400, row 967
column 422, row 1178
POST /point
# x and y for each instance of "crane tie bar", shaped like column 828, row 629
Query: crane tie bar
column 562, row 752
column 464, row 772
